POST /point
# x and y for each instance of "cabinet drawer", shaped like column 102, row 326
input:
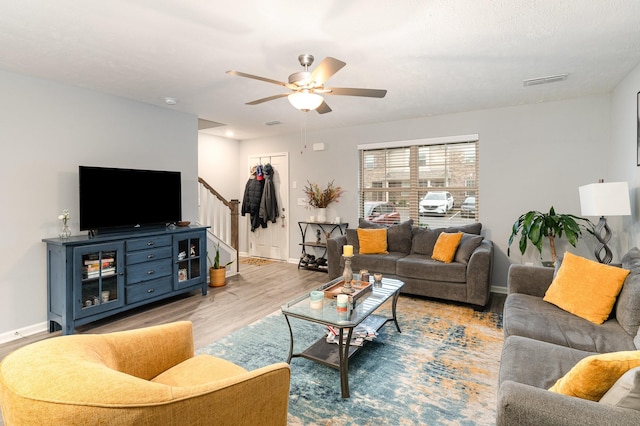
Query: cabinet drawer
column 148, row 255
column 148, row 271
column 150, row 242
column 148, row 289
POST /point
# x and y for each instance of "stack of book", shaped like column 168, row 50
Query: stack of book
column 94, row 268
column 361, row 334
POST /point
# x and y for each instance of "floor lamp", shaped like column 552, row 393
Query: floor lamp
column 604, row 199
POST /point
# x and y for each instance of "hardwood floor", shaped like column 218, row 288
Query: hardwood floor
column 252, row 294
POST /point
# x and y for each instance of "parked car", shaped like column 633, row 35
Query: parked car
column 436, row 202
column 381, row 212
column 469, row 206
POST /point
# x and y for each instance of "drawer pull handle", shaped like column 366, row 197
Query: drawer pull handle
column 151, row 272
column 151, row 256
column 150, row 243
column 151, row 290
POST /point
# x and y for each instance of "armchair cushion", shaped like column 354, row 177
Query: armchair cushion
column 626, row 391
column 199, row 370
column 628, row 304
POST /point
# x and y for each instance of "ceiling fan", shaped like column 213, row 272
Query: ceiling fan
column 307, row 86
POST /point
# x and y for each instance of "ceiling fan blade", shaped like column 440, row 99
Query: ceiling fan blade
column 256, row 77
column 328, row 67
column 350, row 91
column 323, row 108
column 270, row 98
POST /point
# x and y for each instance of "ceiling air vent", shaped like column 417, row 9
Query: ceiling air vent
column 273, row 123
column 545, row 80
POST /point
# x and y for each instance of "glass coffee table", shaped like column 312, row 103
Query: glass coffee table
column 337, row 355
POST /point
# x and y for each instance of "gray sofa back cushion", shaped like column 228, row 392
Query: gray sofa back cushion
column 398, row 236
column 424, row 239
column 628, row 303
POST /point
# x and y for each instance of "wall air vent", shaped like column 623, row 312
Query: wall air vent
column 545, row 80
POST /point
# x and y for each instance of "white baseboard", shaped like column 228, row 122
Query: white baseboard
column 23, row 332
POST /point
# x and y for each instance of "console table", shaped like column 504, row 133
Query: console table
column 92, row 278
column 326, row 229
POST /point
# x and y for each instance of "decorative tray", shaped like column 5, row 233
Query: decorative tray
column 361, row 288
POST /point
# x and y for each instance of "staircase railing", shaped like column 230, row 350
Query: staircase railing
column 222, row 216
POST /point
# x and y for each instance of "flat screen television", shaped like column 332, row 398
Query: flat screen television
column 113, row 199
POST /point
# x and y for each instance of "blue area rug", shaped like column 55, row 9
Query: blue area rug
column 441, row 370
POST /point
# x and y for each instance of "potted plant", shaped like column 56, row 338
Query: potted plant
column 321, row 198
column 217, row 273
column 534, row 226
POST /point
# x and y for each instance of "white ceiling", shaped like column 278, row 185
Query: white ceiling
column 433, row 56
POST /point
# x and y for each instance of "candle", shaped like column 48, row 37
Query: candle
column 316, row 299
column 343, row 301
column 347, row 250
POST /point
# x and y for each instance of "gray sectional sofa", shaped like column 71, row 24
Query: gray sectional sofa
column 466, row 279
column 543, row 342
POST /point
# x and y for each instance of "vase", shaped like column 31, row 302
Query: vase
column 65, row 232
column 322, row 215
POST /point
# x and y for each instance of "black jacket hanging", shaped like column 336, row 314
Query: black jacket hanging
column 251, row 200
column 269, row 202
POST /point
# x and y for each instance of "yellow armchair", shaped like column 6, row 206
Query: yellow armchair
column 148, row 376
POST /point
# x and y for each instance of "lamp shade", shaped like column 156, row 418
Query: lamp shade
column 305, row 101
column 605, row 199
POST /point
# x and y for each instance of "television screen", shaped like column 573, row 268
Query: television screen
column 112, row 198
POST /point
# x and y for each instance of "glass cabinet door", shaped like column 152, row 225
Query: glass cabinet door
column 191, row 262
column 98, row 278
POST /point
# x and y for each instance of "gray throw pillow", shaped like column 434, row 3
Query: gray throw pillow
column 625, row 392
column 468, row 245
column 399, row 237
column 424, row 239
column 628, row 303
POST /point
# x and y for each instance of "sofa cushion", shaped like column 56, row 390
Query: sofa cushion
column 544, row 362
column 372, row 241
column 352, row 239
column 472, row 228
column 628, row 305
column 383, row 263
column 530, row 316
column 421, row 267
column 399, row 237
column 468, row 245
column 625, row 392
column 593, row 376
column 446, row 246
column 424, row 239
column 586, row 288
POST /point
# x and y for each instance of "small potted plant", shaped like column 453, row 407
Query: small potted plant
column 534, row 226
column 217, row 273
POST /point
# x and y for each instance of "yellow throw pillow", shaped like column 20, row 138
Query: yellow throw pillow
column 372, row 241
column 446, row 246
column 586, row 288
column 594, row 375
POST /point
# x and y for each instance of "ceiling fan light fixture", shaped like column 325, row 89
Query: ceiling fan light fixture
column 305, row 101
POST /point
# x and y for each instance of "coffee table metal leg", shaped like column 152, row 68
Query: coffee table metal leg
column 393, row 310
column 343, row 352
column 290, row 340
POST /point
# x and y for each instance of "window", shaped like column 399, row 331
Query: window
column 434, row 182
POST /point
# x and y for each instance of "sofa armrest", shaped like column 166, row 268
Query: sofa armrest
column 524, row 405
column 479, row 271
column 532, row 280
column 334, row 253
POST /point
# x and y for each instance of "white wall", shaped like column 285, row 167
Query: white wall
column 218, row 164
column 48, row 130
column 623, row 164
column 532, row 157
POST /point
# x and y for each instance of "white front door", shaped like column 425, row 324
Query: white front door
column 273, row 241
